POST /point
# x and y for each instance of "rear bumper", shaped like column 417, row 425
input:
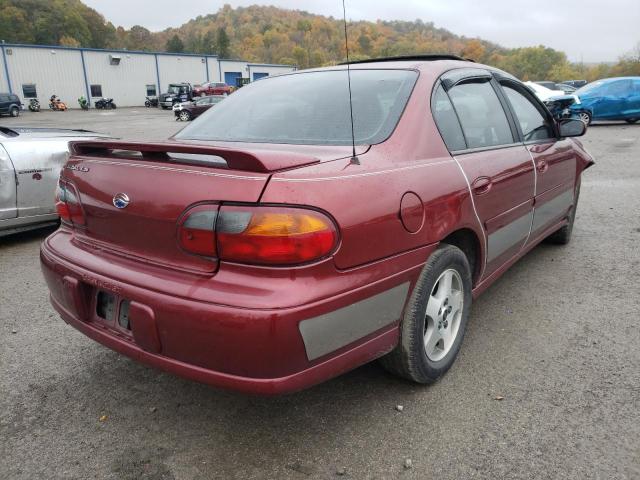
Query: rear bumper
column 263, row 351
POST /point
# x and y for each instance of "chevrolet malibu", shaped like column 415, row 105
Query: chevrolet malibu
column 272, row 244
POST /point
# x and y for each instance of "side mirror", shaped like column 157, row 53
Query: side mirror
column 572, row 127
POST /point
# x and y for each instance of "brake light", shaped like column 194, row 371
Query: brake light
column 68, row 204
column 257, row 235
column 273, row 235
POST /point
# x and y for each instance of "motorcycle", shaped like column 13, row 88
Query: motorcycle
column 105, row 103
column 34, row 105
column 56, row 104
column 151, row 102
column 84, row 104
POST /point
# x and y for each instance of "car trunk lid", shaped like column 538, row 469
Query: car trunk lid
column 161, row 180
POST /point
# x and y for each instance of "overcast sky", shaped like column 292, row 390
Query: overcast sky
column 593, row 30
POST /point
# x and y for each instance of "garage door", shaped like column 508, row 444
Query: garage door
column 230, row 78
column 259, row 75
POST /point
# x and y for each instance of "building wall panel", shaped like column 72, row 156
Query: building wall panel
column 178, row 69
column 60, row 70
column 126, row 82
column 53, row 71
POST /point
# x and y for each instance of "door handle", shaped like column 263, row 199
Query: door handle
column 481, row 185
column 542, row 166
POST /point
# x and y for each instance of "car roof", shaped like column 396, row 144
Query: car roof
column 613, row 79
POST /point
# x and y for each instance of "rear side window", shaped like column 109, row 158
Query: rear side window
column 483, row 119
column 310, row 108
column 447, row 121
column 533, row 124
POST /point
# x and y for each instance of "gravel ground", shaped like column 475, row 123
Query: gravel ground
column 556, row 338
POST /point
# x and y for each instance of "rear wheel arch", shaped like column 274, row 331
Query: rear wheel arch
column 467, row 241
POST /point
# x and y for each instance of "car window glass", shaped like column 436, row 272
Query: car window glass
column 447, row 121
column 534, row 125
column 483, row 119
column 310, row 108
column 620, row 87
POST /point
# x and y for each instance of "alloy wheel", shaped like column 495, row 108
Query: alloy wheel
column 585, row 117
column 184, row 116
column 444, row 311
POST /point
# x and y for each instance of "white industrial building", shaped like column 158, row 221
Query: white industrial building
column 126, row 76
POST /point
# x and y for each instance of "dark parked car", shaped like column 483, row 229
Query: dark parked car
column 212, row 88
column 10, row 104
column 575, row 83
column 611, row 99
column 259, row 250
column 190, row 110
column 176, row 93
column 566, row 89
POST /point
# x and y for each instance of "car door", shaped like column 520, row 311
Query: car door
column 614, row 101
column 554, row 158
column 4, row 104
column 634, row 99
column 8, row 200
column 498, row 168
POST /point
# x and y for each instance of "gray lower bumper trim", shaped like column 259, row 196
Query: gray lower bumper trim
column 333, row 330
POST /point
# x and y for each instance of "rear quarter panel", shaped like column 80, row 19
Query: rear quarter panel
column 365, row 198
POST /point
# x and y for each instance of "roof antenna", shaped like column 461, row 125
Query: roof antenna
column 354, row 157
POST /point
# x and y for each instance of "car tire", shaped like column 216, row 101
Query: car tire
column 14, row 111
column 632, row 120
column 585, row 117
column 184, row 116
column 430, row 342
column 563, row 236
column 114, row 106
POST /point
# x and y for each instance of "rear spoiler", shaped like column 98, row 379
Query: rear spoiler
column 210, row 156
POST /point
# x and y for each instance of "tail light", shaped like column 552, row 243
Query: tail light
column 258, row 235
column 196, row 230
column 68, row 204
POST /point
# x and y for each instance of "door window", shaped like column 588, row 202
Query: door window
column 483, row 119
column 619, row 89
column 533, row 123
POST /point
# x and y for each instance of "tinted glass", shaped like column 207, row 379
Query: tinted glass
column 96, row 90
column 309, row 108
column 620, row 87
column 29, row 90
column 591, row 87
column 482, row 117
column 533, row 123
column 447, row 121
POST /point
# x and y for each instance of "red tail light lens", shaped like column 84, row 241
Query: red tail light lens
column 273, row 235
column 68, row 204
column 196, row 231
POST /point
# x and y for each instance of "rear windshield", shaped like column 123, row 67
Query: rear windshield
column 310, row 108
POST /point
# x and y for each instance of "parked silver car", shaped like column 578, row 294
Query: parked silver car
column 30, row 163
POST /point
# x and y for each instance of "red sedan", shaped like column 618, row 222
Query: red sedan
column 212, row 88
column 259, row 250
